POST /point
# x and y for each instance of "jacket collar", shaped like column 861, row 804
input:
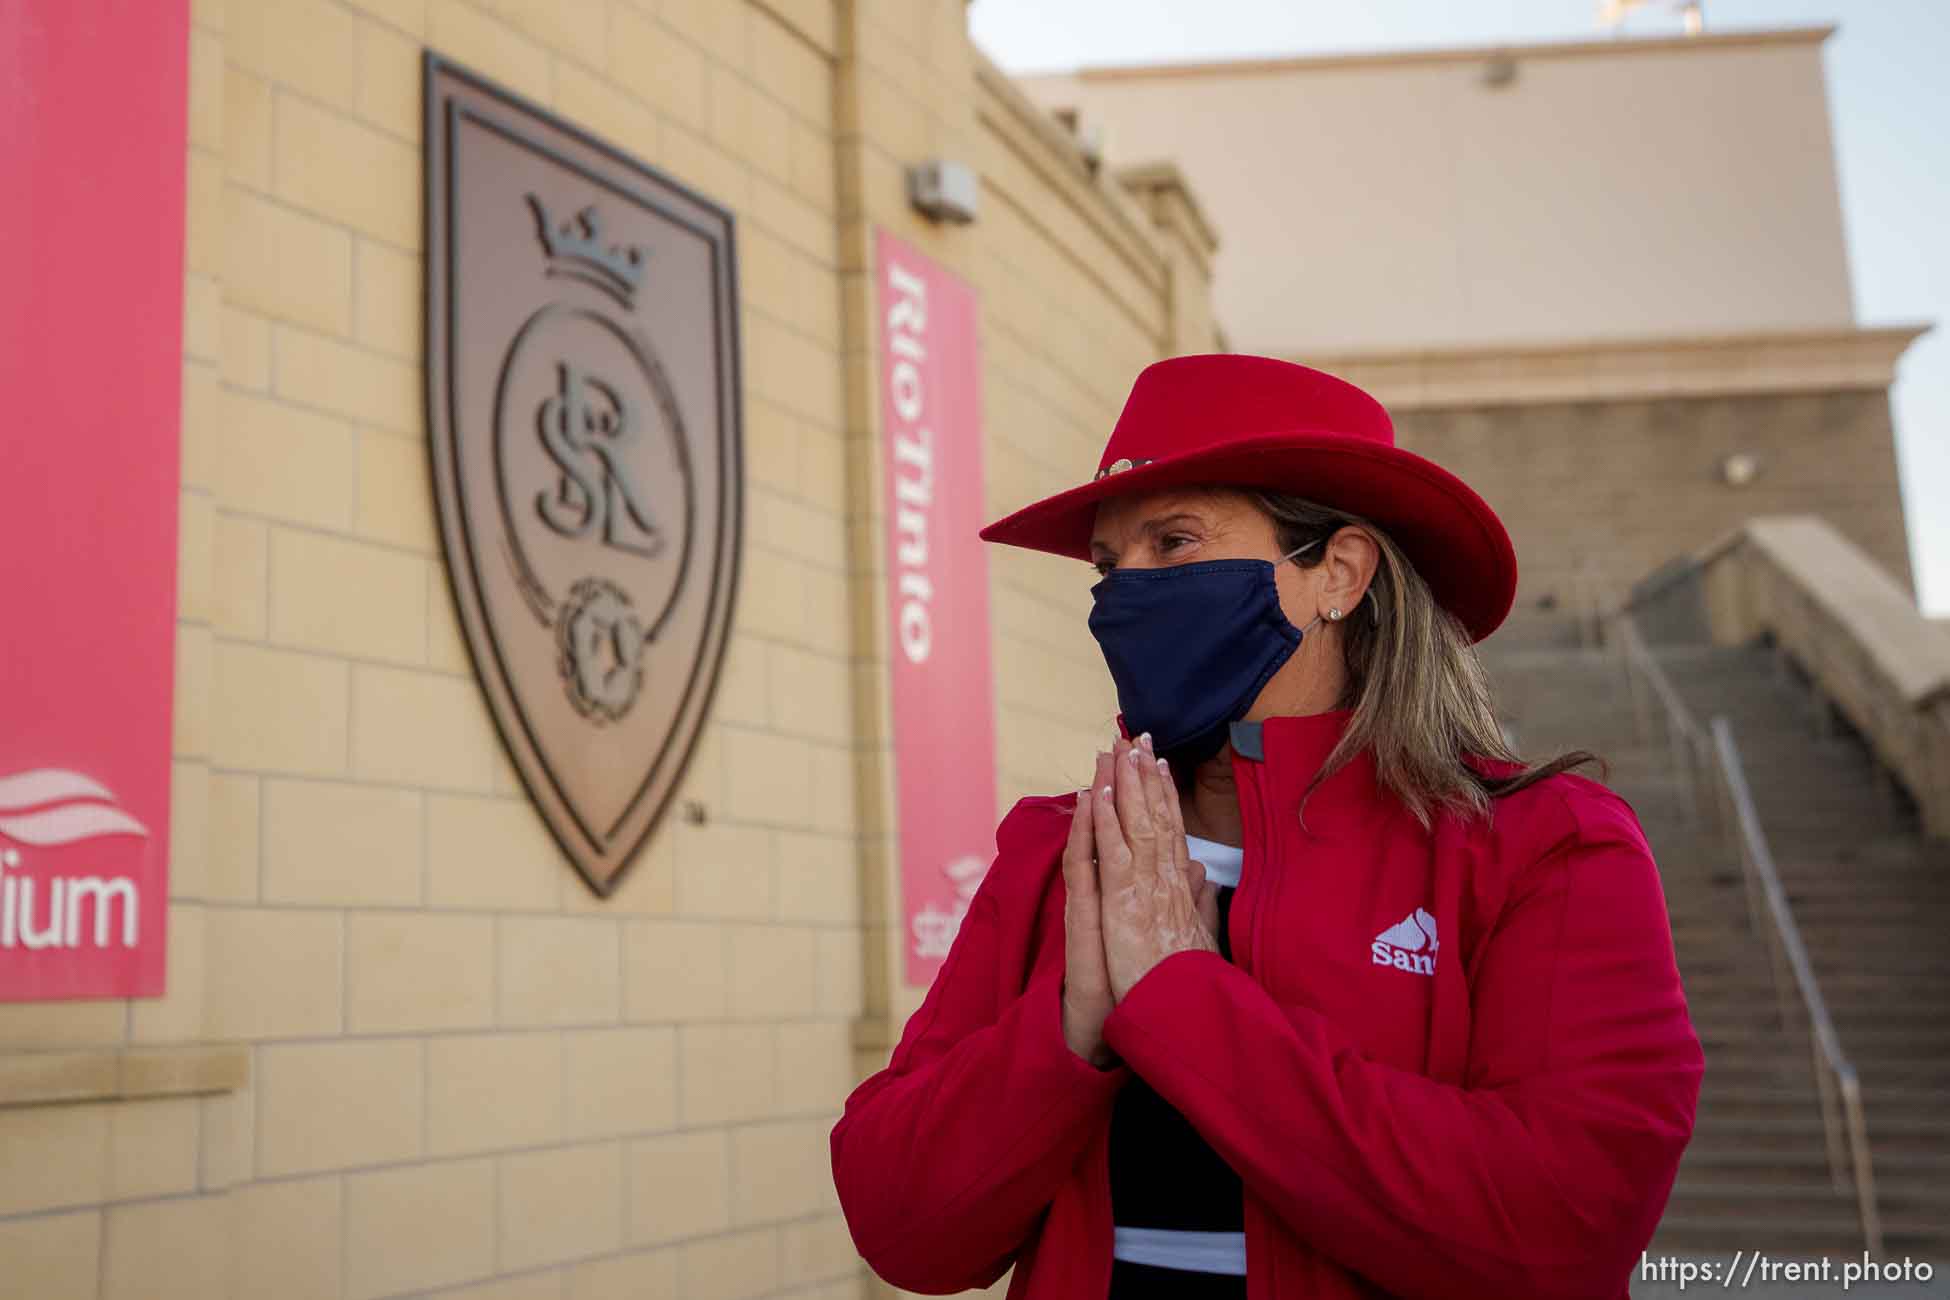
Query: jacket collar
column 1299, row 743
column 1301, row 740
column 1292, row 747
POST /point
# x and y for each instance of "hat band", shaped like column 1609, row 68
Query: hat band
column 1119, row 466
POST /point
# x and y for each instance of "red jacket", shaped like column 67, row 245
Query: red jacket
column 1503, row 1119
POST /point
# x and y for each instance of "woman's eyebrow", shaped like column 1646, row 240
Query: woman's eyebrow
column 1159, row 525
column 1150, row 526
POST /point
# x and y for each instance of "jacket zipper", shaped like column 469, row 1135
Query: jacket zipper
column 1246, row 898
column 1247, row 774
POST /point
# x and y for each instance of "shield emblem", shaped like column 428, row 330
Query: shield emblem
column 582, row 397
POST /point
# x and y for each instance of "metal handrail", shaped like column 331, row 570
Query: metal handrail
column 1589, row 593
column 1711, row 766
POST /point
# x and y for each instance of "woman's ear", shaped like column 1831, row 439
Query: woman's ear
column 1347, row 568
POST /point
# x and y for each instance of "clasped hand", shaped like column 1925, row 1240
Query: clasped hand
column 1133, row 893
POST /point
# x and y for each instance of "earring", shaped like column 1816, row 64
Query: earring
column 1334, row 614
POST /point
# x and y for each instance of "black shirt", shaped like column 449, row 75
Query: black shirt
column 1164, row 1175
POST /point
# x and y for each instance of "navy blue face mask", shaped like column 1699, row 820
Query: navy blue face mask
column 1190, row 646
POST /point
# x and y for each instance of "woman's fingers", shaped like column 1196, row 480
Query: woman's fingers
column 1206, row 894
column 1079, row 871
column 1083, row 915
column 1172, row 862
column 1175, row 814
column 1080, row 851
column 1106, row 770
column 1113, row 853
column 1133, row 804
column 1172, row 855
column 1171, row 801
column 1087, row 995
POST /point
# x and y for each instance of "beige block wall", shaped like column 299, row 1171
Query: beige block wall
column 404, row 1050
column 1623, row 486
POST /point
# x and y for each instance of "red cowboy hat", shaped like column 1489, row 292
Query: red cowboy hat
column 1261, row 422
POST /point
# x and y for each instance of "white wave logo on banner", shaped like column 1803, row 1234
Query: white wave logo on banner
column 67, row 822
column 50, row 807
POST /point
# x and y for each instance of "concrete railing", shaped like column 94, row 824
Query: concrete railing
column 1712, row 778
column 1870, row 654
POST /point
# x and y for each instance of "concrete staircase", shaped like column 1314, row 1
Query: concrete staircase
column 1871, row 897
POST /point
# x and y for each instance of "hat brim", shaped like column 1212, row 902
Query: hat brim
column 1449, row 533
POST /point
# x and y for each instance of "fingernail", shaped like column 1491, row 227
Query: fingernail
column 1105, row 792
column 1132, row 755
column 1163, row 766
column 1144, row 738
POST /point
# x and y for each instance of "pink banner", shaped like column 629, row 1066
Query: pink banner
column 938, row 596
column 93, row 147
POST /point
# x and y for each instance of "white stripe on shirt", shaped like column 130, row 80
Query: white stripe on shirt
column 1221, row 860
column 1199, row 1252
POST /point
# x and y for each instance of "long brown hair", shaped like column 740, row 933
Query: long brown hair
column 1420, row 697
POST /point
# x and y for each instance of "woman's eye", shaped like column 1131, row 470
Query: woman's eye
column 1171, row 542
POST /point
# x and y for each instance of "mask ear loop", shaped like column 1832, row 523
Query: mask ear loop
column 1289, row 555
column 1296, row 550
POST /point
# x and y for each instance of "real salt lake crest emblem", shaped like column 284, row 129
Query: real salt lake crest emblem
column 582, row 396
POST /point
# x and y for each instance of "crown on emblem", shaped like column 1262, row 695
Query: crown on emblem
column 575, row 248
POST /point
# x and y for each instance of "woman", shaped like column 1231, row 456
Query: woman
column 1318, row 990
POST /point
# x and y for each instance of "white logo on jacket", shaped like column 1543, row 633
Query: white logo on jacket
column 1408, row 945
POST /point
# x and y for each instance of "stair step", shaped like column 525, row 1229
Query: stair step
column 1836, row 1234
column 1817, row 930
column 1867, row 962
column 1920, row 1204
column 1848, row 948
column 1849, row 993
column 1876, row 1076
column 1820, row 856
column 1923, row 967
column 1821, row 912
column 1900, row 1168
column 1735, row 1104
column 1810, row 852
column 1835, row 1231
column 1930, row 1126
column 1841, row 950
column 1760, row 1005
column 1881, row 1043
column 1837, row 987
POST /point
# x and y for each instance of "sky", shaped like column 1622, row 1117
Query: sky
column 1889, row 99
